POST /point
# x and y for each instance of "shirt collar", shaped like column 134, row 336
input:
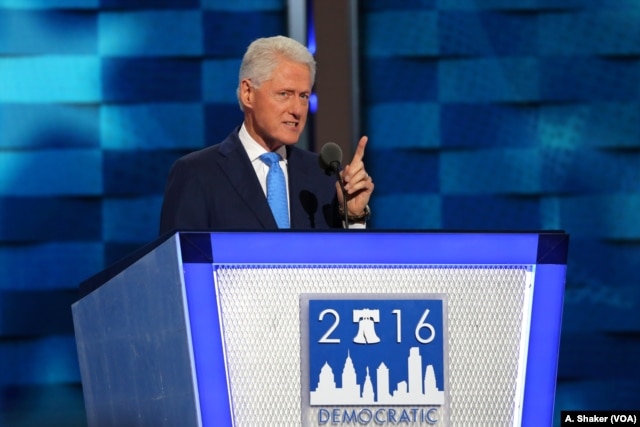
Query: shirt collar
column 255, row 150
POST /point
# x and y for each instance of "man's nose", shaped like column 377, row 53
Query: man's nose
column 298, row 105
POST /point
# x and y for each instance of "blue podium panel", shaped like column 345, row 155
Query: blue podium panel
column 224, row 326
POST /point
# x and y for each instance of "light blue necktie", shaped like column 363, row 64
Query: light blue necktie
column 276, row 189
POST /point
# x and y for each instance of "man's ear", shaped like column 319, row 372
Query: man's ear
column 246, row 92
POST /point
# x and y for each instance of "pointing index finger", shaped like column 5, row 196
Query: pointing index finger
column 359, row 154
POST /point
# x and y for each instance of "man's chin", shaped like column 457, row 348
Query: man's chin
column 290, row 139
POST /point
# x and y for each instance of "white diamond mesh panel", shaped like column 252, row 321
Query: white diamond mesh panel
column 261, row 320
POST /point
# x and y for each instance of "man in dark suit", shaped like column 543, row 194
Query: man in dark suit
column 224, row 187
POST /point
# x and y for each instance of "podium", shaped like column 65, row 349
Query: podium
column 213, row 328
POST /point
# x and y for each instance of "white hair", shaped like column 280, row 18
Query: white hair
column 264, row 55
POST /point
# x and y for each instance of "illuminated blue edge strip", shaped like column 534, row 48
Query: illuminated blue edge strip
column 544, row 345
column 399, row 248
column 373, row 248
column 208, row 353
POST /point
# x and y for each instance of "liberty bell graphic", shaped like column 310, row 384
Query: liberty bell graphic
column 366, row 330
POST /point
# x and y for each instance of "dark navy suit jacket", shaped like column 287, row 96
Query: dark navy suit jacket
column 216, row 188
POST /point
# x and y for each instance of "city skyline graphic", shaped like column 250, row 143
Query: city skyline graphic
column 419, row 388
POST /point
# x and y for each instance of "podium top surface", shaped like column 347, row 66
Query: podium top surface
column 348, row 247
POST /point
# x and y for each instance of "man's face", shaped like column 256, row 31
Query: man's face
column 276, row 112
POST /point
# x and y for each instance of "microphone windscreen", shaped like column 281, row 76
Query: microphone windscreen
column 330, row 154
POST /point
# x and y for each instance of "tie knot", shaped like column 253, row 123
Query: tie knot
column 270, row 158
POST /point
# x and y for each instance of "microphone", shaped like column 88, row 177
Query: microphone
column 330, row 159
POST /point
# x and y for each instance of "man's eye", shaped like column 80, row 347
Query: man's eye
column 304, row 96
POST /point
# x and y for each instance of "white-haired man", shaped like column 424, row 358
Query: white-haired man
column 224, row 187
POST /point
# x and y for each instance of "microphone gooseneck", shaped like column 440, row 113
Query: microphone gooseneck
column 330, row 160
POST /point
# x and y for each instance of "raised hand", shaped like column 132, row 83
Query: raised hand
column 357, row 182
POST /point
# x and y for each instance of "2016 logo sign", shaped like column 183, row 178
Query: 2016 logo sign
column 376, row 352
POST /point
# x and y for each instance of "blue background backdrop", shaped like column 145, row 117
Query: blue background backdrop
column 493, row 114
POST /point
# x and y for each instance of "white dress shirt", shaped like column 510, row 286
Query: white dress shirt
column 255, row 150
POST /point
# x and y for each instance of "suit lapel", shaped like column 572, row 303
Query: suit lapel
column 237, row 166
